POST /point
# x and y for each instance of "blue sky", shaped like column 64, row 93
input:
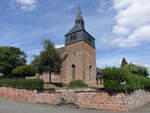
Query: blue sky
column 121, row 27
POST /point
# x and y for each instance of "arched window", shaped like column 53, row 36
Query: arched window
column 73, row 72
column 90, row 72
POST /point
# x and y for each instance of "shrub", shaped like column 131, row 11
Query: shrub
column 113, row 73
column 31, row 84
column 114, row 78
column 23, row 71
column 77, row 83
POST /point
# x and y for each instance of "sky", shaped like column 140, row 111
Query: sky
column 121, row 27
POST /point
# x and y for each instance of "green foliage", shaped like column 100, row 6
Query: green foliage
column 31, row 84
column 124, row 62
column 138, row 70
column 10, row 58
column 49, row 59
column 58, row 84
column 115, row 77
column 113, row 73
column 24, row 71
column 77, row 83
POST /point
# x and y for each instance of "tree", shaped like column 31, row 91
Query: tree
column 124, row 62
column 10, row 58
column 24, row 71
column 138, row 70
column 49, row 59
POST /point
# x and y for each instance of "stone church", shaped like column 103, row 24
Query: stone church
column 79, row 55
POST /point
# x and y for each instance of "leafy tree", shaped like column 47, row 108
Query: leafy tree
column 124, row 62
column 24, row 71
column 49, row 59
column 138, row 70
column 10, row 58
column 36, row 62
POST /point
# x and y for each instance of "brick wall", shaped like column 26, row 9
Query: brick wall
column 84, row 98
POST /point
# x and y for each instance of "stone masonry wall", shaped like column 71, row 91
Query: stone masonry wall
column 30, row 96
column 138, row 98
column 102, row 100
column 83, row 98
column 82, row 55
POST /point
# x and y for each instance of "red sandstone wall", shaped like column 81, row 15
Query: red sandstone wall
column 84, row 98
column 30, row 96
column 101, row 100
column 54, row 78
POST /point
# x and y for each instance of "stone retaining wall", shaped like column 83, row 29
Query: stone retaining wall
column 102, row 100
column 138, row 98
column 83, row 98
column 30, row 96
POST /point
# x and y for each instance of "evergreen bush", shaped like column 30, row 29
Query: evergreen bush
column 30, row 84
column 24, row 71
column 120, row 79
column 77, row 83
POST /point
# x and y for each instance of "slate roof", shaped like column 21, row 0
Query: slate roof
column 76, row 28
column 98, row 70
column 62, row 52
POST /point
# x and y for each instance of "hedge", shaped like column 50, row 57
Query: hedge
column 30, row 84
column 115, row 77
column 77, row 83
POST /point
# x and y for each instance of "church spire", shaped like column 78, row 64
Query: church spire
column 79, row 18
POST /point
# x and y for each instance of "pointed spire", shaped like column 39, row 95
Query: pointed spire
column 79, row 14
column 79, row 18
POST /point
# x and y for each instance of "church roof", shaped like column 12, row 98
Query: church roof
column 62, row 52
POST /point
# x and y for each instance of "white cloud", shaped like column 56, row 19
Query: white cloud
column 34, row 52
column 139, row 35
column 59, row 46
column 132, row 22
column 27, row 5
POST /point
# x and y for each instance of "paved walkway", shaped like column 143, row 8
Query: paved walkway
column 7, row 106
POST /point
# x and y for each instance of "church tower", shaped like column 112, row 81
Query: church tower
column 80, row 63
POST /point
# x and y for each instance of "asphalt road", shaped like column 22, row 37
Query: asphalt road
column 7, row 106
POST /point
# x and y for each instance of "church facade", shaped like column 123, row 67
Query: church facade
column 79, row 55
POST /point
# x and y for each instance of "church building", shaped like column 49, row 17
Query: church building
column 79, row 55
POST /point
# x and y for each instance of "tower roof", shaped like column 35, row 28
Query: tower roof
column 79, row 22
column 78, row 32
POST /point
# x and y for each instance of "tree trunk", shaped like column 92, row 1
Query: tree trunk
column 50, row 77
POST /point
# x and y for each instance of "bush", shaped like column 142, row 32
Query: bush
column 114, row 78
column 31, row 84
column 77, row 83
column 23, row 71
column 113, row 73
